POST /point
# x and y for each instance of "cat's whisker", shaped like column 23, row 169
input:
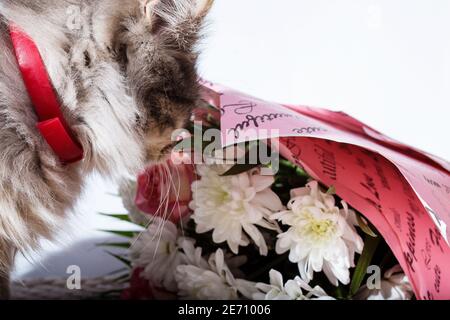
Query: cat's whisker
column 164, row 220
column 169, row 188
column 160, row 227
column 163, row 198
column 177, row 194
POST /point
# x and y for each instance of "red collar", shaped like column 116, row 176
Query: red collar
column 52, row 125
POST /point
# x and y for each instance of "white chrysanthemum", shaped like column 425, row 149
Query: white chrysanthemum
column 233, row 206
column 192, row 254
column 156, row 251
column 394, row 286
column 321, row 236
column 211, row 281
column 293, row 289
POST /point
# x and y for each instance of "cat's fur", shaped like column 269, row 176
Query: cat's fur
column 124, row 71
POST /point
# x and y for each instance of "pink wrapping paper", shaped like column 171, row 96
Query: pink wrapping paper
column 403, row 191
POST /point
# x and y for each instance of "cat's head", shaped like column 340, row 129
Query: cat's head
column 155, row 47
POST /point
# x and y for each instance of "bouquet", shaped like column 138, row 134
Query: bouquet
column 268, row 201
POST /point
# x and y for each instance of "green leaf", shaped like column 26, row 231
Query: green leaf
column 301, row 172
column 331, row 190
column 125, row 234
column 370, row 246
column 364, row 225
column 121, row 245
column 285, row 164
column 120, row 258
column 288, row 164
column 239, row 168
column 121, row 217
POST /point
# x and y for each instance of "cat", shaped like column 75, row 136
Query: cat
column 124, row 72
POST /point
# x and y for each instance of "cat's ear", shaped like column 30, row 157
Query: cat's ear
column 147, row 8
column 180, row 9
column 202, row 8
column 148, row 11
column 179, row 20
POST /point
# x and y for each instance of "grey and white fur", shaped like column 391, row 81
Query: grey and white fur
column 125, row 74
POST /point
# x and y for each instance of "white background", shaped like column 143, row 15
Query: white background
column 386, row 62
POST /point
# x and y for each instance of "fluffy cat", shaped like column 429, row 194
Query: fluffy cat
column 125, row 74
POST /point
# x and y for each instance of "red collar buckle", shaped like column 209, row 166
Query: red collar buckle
column 52, row 124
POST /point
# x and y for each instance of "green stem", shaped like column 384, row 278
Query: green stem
column 339, row 293
column 370, row 246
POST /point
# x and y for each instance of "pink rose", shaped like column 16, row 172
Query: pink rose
column 164, row 190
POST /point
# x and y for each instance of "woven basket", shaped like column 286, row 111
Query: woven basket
column 103, row 288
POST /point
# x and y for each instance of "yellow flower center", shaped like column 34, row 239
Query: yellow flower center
column 321, row 227
column 318, row 230
column 223, row 196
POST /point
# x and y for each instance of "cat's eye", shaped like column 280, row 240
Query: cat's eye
column 121, row 56
column 123, row 50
